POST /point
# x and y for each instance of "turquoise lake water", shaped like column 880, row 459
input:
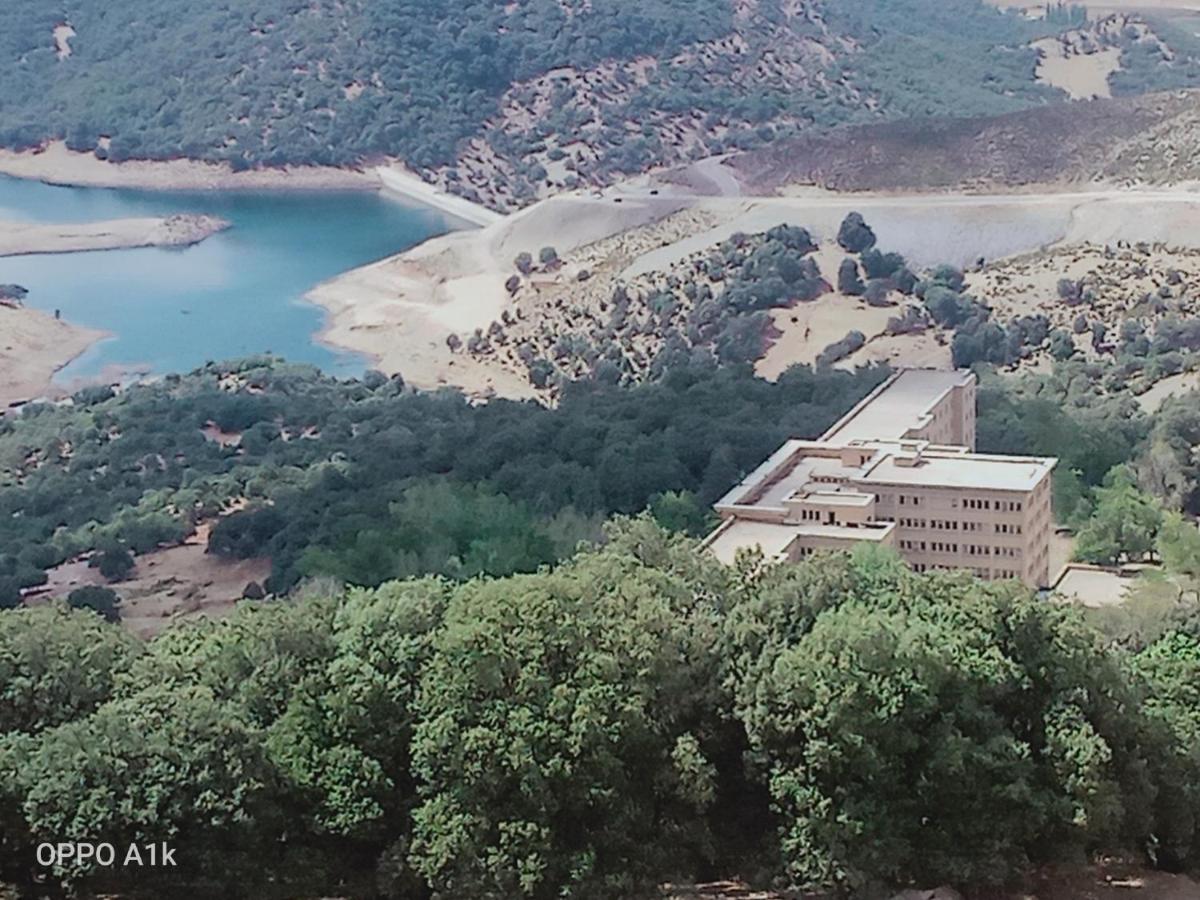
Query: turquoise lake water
column 238, row 293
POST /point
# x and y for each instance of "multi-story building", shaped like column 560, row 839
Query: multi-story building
column 899, row 470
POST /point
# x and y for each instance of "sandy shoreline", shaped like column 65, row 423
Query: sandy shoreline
column 33, row 347
column 20, row 238
column 399, row 312
column 57, row 165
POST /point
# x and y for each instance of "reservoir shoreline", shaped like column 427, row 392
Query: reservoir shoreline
column 228, row 294
column 56, row 165
column 34, row 347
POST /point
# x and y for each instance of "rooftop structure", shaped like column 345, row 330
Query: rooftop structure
column 925, row 404
column 915, row 485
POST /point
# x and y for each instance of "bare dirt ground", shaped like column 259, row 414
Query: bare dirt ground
column 33, row 346
column 921, row 351
column 1093, row 587
column 808, row 328
column 172, row 584
column 1082, row 75
column 1171, row 386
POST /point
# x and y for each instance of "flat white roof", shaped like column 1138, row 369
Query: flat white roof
column 773, row 539
column 737, row 534
column 877, row 531
column 897, row 406
column 851, row 498
column 762, row 472
column 981, row 471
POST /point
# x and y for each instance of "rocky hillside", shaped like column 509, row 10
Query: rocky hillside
column 499, row 102
column 1152, row 139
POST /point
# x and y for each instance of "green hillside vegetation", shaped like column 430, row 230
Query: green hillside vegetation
column 639, row 714
column 272, row 82
column 1168, row 62
column 368, row 481
column 264, row 82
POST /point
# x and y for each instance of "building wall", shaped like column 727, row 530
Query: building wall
column 994, row 534
column 1039, row 526
column 951, row 420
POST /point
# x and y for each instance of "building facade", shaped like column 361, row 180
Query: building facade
column 899, row 470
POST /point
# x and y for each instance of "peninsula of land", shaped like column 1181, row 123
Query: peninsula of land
column 33, row 347
column 20, row 238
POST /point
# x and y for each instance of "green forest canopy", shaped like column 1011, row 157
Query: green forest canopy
column 639, row 714
column 368, row 481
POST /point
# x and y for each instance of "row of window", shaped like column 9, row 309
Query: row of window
column 978, row 572
column 954, row 525
column 966, row 549
column 968, row 503
column 998, row 505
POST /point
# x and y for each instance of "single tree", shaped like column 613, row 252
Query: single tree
column 849, row 281
column 1124, row 525
column 854, row 235
column 101, row 600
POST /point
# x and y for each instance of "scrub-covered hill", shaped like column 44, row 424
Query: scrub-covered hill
column 495, row 101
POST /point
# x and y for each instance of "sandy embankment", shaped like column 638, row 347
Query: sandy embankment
column 33, row 346
column 401, row 310
column 18, row 238
column 55, row 164
column 403, row 183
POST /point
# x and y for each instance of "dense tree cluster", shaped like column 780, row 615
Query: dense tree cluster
column 270, row 82
column 368, row 481
column 639, row 714
column 709, row 309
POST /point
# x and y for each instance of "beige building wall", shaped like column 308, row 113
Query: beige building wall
column 992, row 533
column 951, row 420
